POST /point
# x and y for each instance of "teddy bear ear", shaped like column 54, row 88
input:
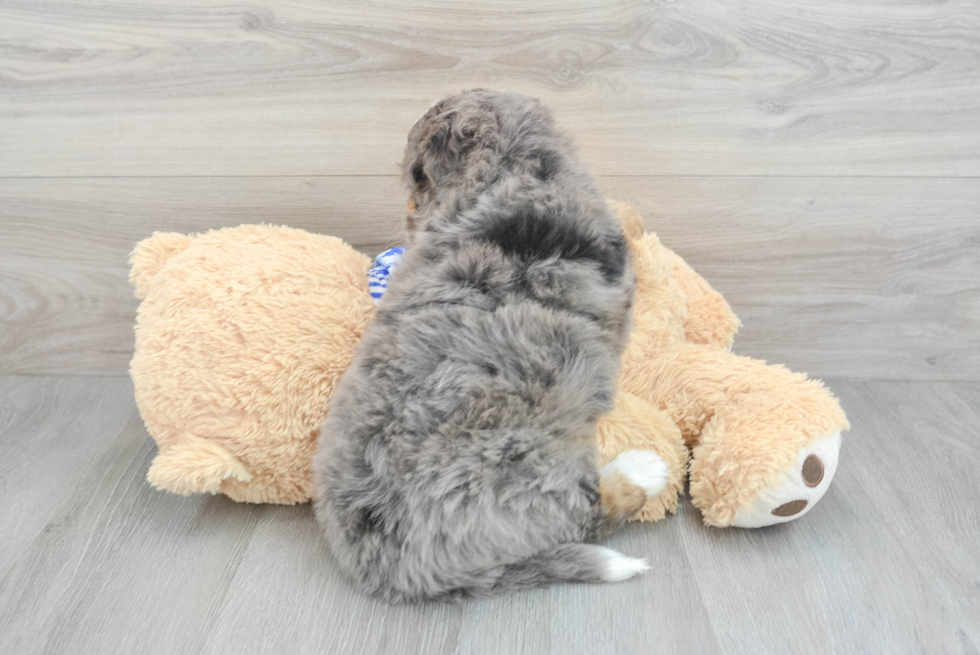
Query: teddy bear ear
column 149, row 256
column 629, row 218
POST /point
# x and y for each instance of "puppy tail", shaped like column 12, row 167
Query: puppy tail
column 564, row 563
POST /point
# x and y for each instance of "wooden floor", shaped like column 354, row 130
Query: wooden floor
column 93, row 560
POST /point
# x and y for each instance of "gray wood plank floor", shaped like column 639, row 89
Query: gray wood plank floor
column 92, row 560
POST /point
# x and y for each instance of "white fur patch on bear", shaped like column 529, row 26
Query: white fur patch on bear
column 644, row 468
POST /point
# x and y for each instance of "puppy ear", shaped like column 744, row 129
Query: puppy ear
column 446, row 146
column 452, row 135
column 439, row 156
column 419, row 162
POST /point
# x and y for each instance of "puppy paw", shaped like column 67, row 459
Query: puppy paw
column 798, row 489
column 644, row 468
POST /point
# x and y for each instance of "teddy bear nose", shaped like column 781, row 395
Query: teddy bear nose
column 790, row 508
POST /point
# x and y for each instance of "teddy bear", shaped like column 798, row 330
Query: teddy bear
column 243, row 333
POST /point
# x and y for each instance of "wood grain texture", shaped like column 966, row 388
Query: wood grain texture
column 839, row 277
column 55, row 434
column 103, row 564
column 106, row 564
column 203, row 87
column 860, row 278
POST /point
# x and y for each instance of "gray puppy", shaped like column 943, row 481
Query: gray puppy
column 458, row 458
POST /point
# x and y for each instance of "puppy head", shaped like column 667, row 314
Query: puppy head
column 460, row 143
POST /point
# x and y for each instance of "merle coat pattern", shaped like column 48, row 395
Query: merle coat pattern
column 458, row 457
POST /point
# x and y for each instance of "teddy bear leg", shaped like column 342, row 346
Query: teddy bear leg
column 759, row 463
column 751, row 428
column 642, row 440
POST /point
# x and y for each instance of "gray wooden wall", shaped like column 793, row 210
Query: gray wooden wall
column 819, row 163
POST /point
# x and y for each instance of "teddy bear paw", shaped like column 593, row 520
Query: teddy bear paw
column 797, row 489
column 644, row 468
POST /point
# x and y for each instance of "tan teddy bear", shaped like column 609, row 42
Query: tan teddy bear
column 243, row 333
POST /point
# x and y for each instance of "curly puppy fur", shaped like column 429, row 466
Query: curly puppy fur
column 458, row 458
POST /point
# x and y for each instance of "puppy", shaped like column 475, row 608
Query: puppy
column 458, row 458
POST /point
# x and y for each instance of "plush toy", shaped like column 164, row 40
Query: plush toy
column 243, row 333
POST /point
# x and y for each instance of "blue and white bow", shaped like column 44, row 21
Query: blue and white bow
column 384, row 265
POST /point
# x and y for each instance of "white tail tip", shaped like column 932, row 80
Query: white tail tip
column 618, row 567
